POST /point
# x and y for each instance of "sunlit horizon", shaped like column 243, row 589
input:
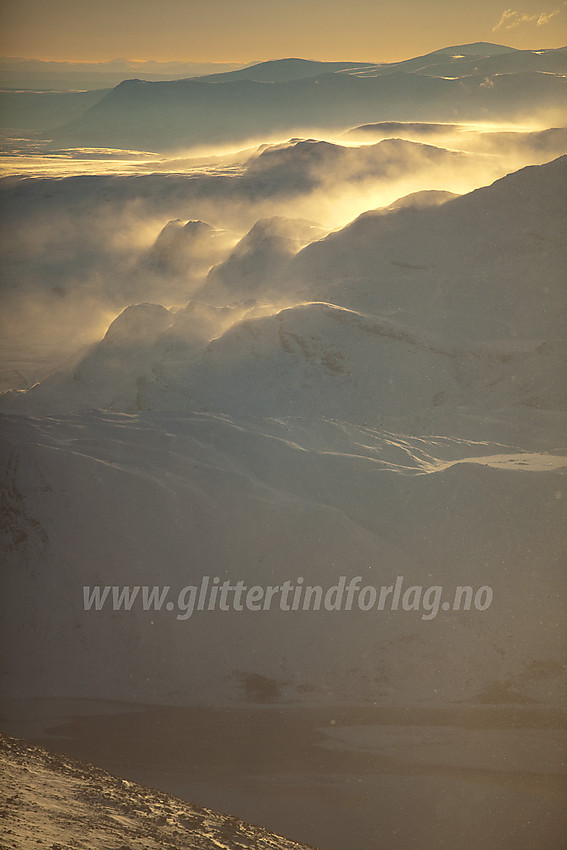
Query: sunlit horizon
column 244, row 33
column 312, row 56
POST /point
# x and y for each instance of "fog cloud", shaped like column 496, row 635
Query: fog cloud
column 209, row 224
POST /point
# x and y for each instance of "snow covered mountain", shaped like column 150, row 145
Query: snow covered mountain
column 472, row 83
column 283, row 449
column 470, row 267
column 385, row 402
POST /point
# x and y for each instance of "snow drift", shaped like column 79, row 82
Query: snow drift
column 399, row 417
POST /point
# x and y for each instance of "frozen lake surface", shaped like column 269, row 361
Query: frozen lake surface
column 336, row 777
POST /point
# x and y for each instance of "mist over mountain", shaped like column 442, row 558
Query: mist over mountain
column 439, row 264
column 309, row 163
column 82, row 267
column 400, row 130
column 255, row 265
column 183, row 113
column 400, row 322
column 287, row 94
column 302, row 368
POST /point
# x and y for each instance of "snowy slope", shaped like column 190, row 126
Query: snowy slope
column 472, row 59
column 113, row 499
column 383, row 401
column 78, row 250
column 489, row 265
column 406, row 310
column 58, row 801
column 284, row 70
column 257, row 261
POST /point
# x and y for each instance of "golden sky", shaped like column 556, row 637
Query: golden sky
column 253, row 30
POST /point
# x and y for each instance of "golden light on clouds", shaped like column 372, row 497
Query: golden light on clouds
column 511, row 19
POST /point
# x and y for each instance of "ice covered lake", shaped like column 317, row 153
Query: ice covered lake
column 335, row 777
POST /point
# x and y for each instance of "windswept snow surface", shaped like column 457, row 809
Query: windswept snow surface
column 284, row 436
column 400, row 414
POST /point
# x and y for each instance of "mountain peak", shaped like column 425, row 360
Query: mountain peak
column 477, row 48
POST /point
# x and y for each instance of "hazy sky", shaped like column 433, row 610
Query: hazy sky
column 253, row 30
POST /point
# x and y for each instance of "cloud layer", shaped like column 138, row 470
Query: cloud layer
column 511, row 19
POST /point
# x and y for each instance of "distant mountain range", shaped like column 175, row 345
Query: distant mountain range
column 464, row 82
column 43, row 74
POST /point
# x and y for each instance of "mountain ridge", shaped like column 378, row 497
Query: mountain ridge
column 190, row 108
column 424, row 270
